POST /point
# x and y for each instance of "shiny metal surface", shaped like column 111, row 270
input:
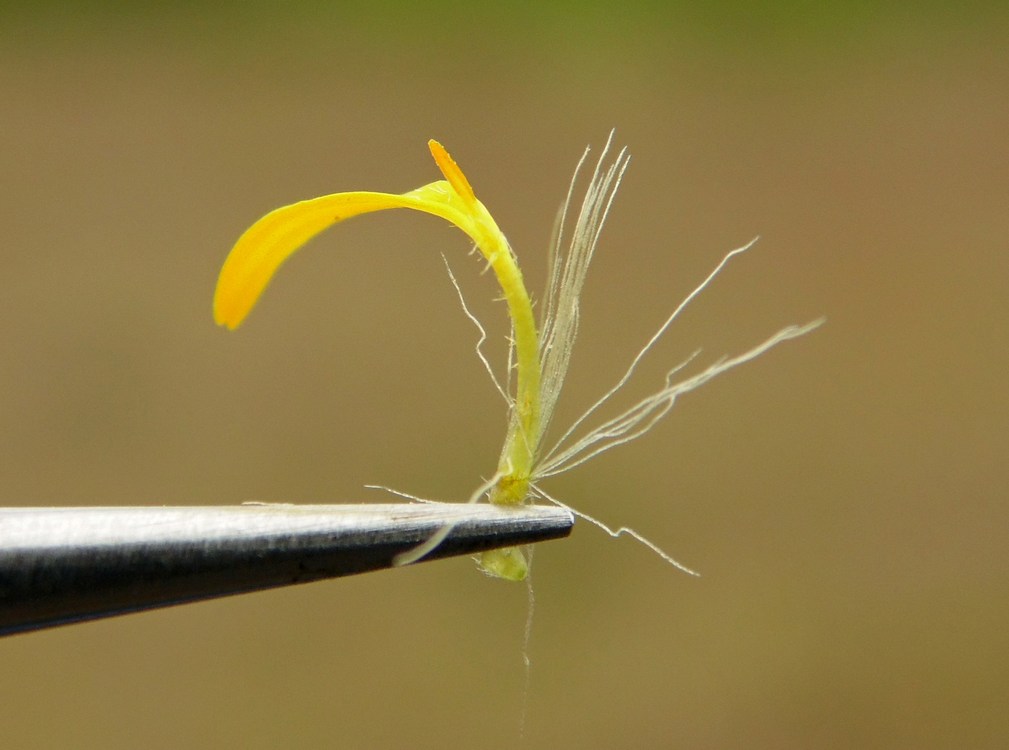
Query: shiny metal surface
column 63, row 565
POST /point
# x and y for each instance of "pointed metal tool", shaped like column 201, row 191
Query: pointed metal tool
column 64, row 565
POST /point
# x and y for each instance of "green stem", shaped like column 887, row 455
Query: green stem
column 522, row 438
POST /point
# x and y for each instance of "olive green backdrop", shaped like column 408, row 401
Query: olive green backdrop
column 844, row 497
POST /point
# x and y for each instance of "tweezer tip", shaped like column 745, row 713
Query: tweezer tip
column 62, row 565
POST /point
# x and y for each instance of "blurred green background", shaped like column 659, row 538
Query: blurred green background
column 844, row 497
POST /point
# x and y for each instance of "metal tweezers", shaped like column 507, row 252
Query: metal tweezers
column 65, row 565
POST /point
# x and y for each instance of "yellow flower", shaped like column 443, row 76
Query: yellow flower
column 541, row 357
column 264, row 247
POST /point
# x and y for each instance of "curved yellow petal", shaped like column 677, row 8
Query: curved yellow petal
column 265, row 245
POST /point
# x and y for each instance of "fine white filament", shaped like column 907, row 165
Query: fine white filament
column 568, row 268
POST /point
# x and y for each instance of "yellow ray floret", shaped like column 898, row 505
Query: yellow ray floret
column 264, row 247
column 540, row 367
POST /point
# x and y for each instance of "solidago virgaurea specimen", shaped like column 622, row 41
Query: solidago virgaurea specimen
column 540, row 353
